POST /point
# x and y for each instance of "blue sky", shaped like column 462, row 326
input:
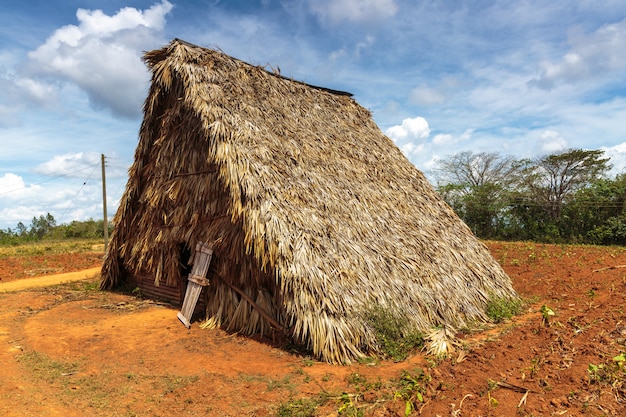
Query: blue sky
column 522, row 78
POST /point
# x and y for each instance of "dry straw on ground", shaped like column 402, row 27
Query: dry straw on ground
column 310, row 209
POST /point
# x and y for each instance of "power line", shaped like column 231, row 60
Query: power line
column 63, row 174
column 588, row 204
column 79, row 190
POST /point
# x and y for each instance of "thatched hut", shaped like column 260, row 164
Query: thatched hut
column 314, row 216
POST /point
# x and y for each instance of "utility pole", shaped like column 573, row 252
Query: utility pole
column 104, row 206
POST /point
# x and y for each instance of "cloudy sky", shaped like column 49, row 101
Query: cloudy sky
column 522, row 78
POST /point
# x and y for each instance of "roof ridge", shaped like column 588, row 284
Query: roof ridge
column 278, row 75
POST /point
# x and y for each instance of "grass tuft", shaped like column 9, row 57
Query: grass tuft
column 395, row 337
column 503, row 308
column 304, row 407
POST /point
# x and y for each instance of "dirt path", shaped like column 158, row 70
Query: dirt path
column 48, row 280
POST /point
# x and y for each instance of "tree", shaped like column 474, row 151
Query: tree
column 596, row 213
column 471, row 169
column 21, row 229
column 476, row 186
column 552, row 180
column 42, row 225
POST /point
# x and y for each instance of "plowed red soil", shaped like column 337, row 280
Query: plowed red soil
column 72, row 350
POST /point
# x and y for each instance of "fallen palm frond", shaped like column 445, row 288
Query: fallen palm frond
column 609, row 267
column 440, row 342
column 516, row 388
column 310, row 210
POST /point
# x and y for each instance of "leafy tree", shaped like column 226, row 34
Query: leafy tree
column 85, row 229
column 476, row 185
column 552, row 180
column 21, row 230
column 42, row 225
column 611, row 232
column 527, row 220
column 596, row 214
column 592, row 207
column 470, row 169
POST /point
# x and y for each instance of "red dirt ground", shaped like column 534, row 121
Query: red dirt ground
column 18, row 267
column 72, row 350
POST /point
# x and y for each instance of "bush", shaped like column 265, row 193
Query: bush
column 502, row 308
column 298, row 408
column 394, row 335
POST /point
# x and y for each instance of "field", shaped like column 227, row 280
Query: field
column 72, row 350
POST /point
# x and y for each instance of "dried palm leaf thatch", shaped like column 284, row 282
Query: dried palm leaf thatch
column 309, row 209
column 440, row 341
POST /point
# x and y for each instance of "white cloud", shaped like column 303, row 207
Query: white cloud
column 38, row 92
column 410, row 129
column 363, row 45
column 443, row 139
column 102, row 55
column 9, row 182
column 359, row 11
column 617, row 154
column 411, row 148
column 426, row 96
column 67, row 199
column 591, row 56
column 13, row 186
column 11, row 216
column 551, row 141
column 411, row 137
column 75, row 165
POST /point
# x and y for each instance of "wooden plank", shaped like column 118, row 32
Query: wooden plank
column 197, row 281
column 167, row 293
column 189, row 305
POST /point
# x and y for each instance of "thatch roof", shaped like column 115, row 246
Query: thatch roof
column 310, row 209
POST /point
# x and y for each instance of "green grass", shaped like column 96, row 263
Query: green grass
column 174, row 382
column 52, row 247
column 303, row 407
column 45, row 367
column 393, row 333
column 503, row 308
column 363, row 395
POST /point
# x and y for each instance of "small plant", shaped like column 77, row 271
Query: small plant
column 395, row 337
column 546, row 313
column 596, row 372
column 535, row 365
column 492, row 386
column 412, row 389
column 503, row 308
column 304, row 407
column 612, row 373
column 367, row 360
column 362, row 384
column 348, row 407
column 356, row 379
column 279, row 384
